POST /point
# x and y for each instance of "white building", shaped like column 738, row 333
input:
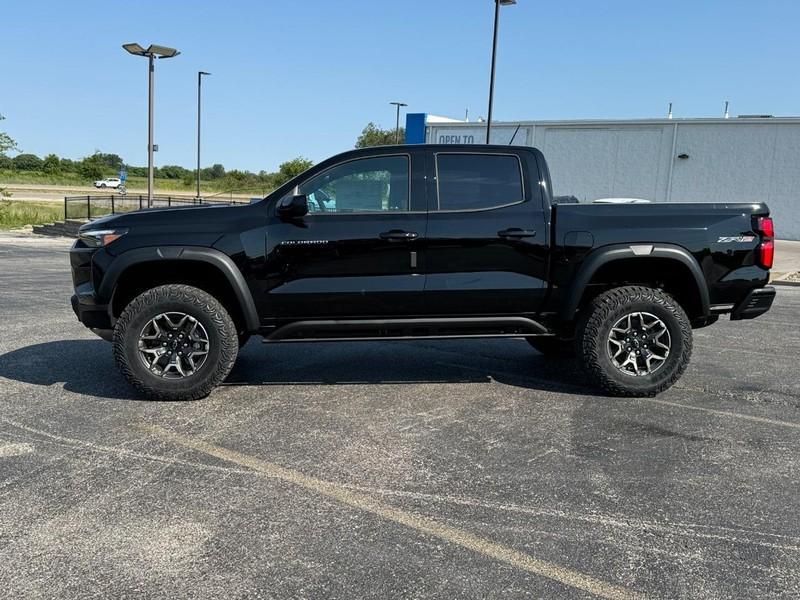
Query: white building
column 750, row 159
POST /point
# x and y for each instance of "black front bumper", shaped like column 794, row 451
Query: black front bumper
column 91, row 314
column 755, row 304
column 88, row 308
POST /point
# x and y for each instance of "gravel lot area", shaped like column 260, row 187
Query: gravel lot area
column 431, row 469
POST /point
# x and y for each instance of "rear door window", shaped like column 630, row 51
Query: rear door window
column 478, row 181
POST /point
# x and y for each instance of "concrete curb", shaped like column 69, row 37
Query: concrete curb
column 782, row 278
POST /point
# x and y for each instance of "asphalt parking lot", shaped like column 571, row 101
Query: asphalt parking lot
column 434, row 469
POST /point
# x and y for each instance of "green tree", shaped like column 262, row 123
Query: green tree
column 237, row 175
column 172, row 171
column 137, row 171
column 27, row 162
column 6, row 143
column 110, row 160
column 91, row 167
column 291, row 168
column 372, row 135
column 51, row 164
column 216, row 171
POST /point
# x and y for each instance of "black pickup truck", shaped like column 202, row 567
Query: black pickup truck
column 420, row 241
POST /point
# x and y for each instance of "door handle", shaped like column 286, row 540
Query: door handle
column 516, row 233
column 398, row 235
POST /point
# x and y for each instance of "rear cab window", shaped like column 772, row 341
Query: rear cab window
column 475, row 181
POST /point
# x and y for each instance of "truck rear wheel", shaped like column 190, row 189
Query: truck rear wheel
column 175, row 342
column 634, row 341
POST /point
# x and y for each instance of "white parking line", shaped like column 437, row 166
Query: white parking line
column 425, row 525
column 725, row 413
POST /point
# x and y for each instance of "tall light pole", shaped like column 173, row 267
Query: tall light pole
column 497, row 4
column 397, row 123
column 152, row 52
column 199, row 81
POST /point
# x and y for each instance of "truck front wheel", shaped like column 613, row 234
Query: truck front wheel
column 175, row 342
column 634, row 341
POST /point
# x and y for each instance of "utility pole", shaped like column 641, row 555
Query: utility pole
column 151, row 53
column 150, row 169
column 397, row 122
column 497, row 4
column 199, row 84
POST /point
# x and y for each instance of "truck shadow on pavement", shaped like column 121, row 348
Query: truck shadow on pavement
column 83, row 366
column 510, row 362
column 87, row 366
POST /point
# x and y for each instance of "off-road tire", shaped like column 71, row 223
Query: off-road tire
column 553, row 347
column 223, row 342
column 600, row 316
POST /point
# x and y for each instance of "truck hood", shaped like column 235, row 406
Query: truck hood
column 177, row 217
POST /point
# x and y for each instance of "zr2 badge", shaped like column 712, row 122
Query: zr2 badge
column 735, row 238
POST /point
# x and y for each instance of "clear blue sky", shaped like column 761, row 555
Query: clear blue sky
column 294, row 78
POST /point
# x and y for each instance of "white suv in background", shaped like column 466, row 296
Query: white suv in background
column 109, row 182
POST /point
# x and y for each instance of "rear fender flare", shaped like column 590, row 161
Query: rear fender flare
column 210, row 256
column 608, row 254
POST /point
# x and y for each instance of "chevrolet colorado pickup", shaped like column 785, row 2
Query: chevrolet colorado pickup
column 420, row 241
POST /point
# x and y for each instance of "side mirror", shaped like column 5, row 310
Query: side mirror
column 293, row 207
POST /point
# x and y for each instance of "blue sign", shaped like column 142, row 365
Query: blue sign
column 415, row 128
column 123, row 175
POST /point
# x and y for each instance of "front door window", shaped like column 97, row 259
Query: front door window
column 366, row 185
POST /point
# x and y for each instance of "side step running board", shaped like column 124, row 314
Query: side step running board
column 382, row 329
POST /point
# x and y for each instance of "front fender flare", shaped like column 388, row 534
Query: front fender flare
column 608, row 254
column 213, row 257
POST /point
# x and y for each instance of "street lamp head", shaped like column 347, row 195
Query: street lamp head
column 134, row 49
column 152, row 50
column 162, row 51
column 398, row 104
column 506, row 2
column 203, row 73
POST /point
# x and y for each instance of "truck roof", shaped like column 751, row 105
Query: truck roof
column 451, row 147
column 405, row 148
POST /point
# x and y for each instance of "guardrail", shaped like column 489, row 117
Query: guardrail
column 93, row 207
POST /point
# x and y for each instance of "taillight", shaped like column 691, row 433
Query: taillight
column 766, row 227
column 766, row 253
column 766, row 249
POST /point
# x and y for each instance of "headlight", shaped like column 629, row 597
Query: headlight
column 101, row 237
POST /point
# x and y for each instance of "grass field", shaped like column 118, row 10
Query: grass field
column 18, row 214
column 10, row 177
column 33, row 177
